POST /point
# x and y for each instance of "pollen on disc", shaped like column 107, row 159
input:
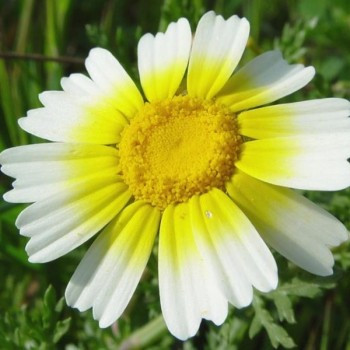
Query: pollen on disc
column 177, row 148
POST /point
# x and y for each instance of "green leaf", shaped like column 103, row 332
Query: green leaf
column 59, row 306
column 255, row 327
column 301, row 288
column 284, row 307
column 50, row 297
column 277, row 334
column 49, row 307
column 61, row 329
column 96, row 36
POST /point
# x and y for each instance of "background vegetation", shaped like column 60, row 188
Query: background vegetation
column 305, row 312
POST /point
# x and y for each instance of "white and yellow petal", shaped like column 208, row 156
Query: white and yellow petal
column 299, row 118
column 304, row 162
column 187, row 292
column 92, row 110
column 107, row 276
column 43, row 170
column 162, row 60
column 233, row 251
column 60, row 223
column 288, row 222
column 113, row 82
column 265, row 79
column 74, row 118
column 218, row 46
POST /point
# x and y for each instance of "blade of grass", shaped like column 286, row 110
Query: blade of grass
column 18, row 95
column 23, row 25
column 57, row 14
column 53, row 71
column 252, row 10
column 7, row 107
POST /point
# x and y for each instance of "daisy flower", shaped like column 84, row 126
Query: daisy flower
column 197, row 160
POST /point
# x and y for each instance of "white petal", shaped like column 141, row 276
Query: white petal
column 218, row 46
column 43, row 170
column 305, row 162
column 187, row 291
column 291, row 224
column 162, row 60
column 232, row 249
column 108, row 275
column 307, row 117
column 111, row 78
column 79, row 85
column 265, row 79
column 61, row 223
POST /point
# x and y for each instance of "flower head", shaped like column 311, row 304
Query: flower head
column 196, row 161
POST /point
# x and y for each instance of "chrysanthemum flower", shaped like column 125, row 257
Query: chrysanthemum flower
column 196, row 161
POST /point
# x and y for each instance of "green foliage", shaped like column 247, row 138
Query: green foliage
column 292, row 40
column 40, row 327
column 283, row 298
column 263, row 318
column 304, row 312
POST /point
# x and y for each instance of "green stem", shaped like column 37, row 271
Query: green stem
column 326, row 323
column 41, row 58
column 145, row 335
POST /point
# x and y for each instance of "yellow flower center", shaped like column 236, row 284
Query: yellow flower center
column 177, row 148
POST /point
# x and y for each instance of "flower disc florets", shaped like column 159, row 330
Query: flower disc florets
column 176, row 148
